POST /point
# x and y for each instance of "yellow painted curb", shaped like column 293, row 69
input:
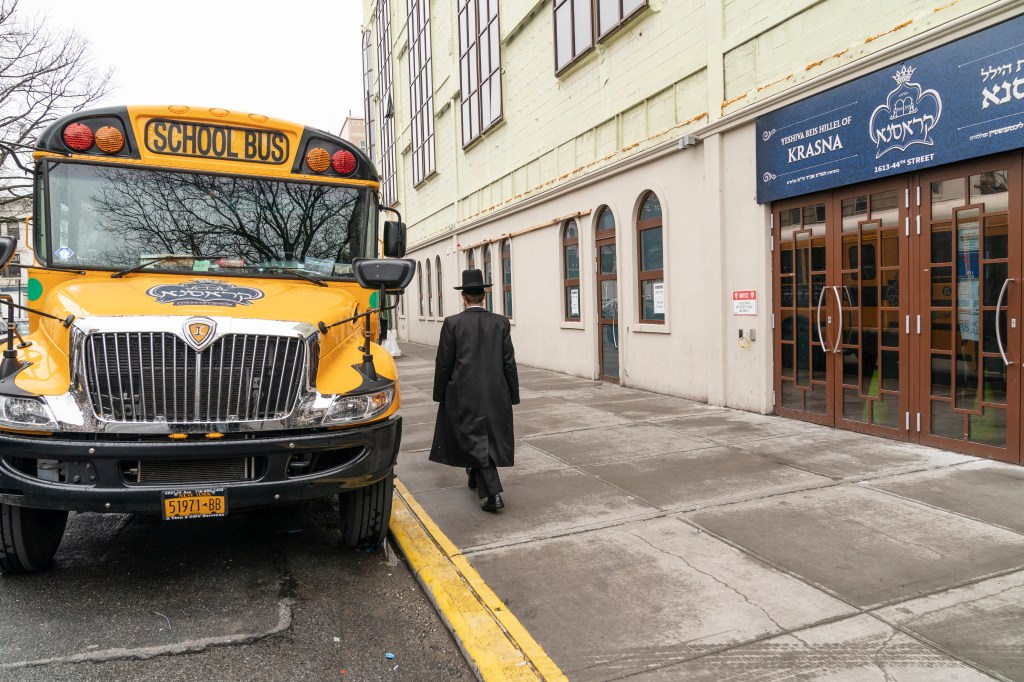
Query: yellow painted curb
column 493, row 640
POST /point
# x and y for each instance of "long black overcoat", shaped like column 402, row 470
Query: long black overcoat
column 476, row 382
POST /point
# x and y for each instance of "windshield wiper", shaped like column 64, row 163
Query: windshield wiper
column 151, row 261
column 294, row 273
column 23, row 266
column 276, row 268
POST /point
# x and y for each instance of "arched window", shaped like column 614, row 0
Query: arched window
column 430, row 292
column 440, row 291
column 571, row 269
column 419, row 287
column 487, row 276
column 650, row 257
column 471, row 259
column 506, row 276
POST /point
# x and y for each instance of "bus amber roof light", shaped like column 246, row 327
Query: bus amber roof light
column 343, row 161
column 77, row 136
column 318, row 159
column 109, row 139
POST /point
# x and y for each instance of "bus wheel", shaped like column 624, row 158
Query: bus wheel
column 29, row 538
column 365, row 514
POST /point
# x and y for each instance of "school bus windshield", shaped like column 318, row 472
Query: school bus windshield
column 116, row 217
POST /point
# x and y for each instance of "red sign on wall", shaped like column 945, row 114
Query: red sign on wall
column 744, row 303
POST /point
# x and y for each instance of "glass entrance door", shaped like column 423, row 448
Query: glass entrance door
column 608, row 299
column 970, row 309
column 803, row 311
column 899, row 308
column 871, row 348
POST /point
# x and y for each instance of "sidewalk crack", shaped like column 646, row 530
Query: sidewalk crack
column 942, row 607
column 713, row 577
column 880, row 650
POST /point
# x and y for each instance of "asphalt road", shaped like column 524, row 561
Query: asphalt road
column 268, row 595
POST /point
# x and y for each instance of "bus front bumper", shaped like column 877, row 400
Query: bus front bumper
column 133, row 476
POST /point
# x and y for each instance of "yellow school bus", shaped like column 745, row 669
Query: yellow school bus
column 204, row 318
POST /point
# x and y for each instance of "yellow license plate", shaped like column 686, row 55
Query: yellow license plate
column 195, row 504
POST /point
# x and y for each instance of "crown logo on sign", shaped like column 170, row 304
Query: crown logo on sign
column 903, row 75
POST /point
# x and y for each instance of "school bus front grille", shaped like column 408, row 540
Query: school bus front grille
column 157, row 377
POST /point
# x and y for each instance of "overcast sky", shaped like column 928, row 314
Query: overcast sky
column 298, row 60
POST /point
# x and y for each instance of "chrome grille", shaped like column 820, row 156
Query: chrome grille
column 190, row 471
column 157, row 377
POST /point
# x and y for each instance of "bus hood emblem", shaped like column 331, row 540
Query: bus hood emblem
column 205, row 292
column 199, row 332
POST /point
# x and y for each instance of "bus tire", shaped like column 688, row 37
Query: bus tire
column 29, row 538
column 365, row 514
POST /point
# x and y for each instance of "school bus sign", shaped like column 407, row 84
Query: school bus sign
column 205, row 140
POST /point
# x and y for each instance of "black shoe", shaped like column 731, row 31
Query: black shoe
column 472, row 478
column 492, row 503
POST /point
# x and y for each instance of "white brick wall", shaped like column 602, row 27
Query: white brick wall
column 676, row 68
column 645, row 79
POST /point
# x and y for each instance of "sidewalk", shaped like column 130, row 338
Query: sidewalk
column 647, row 537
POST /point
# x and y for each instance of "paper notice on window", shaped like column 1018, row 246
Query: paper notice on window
column 658, row 295
column 967, row 251
column 574, row 302
column 967, row 301
column 968, row 269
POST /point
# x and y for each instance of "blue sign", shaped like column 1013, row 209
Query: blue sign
column 959, row 101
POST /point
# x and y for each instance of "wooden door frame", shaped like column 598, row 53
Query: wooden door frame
column 921, row 346
column 606, row 236
column 902, row 185
column 827, row 419
column 915, row 298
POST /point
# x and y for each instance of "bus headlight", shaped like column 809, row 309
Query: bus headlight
column 358, row 408
column 18, row 412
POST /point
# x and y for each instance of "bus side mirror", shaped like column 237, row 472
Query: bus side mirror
column 389, row 274
column 394, row 239
column 8, row 245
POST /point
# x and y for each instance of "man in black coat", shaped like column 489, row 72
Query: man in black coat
column 476, row 382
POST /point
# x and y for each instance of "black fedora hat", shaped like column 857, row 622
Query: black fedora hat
column 473, row 279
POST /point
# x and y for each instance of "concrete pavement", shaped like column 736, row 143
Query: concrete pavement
column 647, row 537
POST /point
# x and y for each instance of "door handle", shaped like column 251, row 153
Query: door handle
column 839, row 304
column 999, row 336
column 821, row 337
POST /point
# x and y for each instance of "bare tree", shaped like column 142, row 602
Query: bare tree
column 44, row 74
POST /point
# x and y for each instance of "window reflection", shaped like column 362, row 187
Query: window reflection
column 506, row 276
column 651, row 260
column 430, row 292
column 112, row 217
column 571, row 266
column 440, row 291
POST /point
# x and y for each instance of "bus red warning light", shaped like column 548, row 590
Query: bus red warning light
column 78, row 136
column 344, row 162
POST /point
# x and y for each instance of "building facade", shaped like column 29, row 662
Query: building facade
column 14, row 280
column 354, row 130
column 747, row 203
